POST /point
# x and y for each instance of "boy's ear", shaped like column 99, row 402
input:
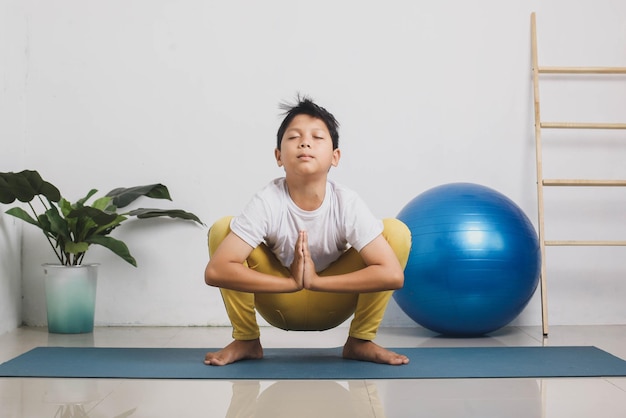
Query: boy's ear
column 277, row 156
column 336, row 157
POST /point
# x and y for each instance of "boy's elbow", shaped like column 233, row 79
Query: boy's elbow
column 210, row 276
column 396, row 280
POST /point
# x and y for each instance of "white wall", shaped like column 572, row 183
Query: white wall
column 121, row 93
column 12, row 113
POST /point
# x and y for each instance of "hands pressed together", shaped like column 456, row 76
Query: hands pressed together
column 302, row 268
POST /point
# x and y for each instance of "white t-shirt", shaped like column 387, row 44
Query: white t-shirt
column 342, row 221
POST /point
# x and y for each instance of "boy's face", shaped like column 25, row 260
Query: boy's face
column 307, row 148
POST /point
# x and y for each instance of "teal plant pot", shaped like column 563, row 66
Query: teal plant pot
column 70, row 297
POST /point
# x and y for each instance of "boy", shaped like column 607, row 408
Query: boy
column 306, row 253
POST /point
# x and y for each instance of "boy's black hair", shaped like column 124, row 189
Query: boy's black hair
column 306, row 106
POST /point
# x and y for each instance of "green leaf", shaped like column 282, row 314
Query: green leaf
column 122, row 197
column 18, row 187
column 143, row 213
column 76, row 247
column 24, row 186
column 58, row 224
column 103, row 204
column 44, row 223
column 23, row 215
column 65, row 206
column 117, row 246
column 6, row 196
column 86, row 198
column 50, row 192
column 98, row 216
column 107, row 228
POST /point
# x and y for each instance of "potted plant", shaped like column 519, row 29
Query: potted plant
column 70, row 229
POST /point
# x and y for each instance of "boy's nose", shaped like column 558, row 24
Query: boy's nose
column 305, row 145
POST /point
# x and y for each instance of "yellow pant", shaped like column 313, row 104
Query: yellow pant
column 308, row 310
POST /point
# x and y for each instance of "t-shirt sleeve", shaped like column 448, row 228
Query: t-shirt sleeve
column 360, row 223
column 252, row 224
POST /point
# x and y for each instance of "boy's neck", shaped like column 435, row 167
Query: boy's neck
column 307, row 194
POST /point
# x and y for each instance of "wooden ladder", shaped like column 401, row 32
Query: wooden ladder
column 542, row 182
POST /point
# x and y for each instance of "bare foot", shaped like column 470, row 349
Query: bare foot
column 235, row 351
column 356, row 349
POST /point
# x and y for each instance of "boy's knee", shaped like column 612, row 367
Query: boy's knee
column 396, row 231
column 398, row 235
column 218, row 231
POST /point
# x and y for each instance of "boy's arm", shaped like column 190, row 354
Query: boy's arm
column 382, row 272
column 226, row 270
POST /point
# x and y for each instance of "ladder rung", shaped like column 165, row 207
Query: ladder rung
column 582, row 70
column 583, row 183
column 586, row 243
column 582, row 125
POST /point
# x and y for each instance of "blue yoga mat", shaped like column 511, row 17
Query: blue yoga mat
column 326, row 363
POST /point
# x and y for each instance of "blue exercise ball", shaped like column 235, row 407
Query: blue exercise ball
column 474, row 262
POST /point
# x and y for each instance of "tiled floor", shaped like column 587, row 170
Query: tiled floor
column 527, row 398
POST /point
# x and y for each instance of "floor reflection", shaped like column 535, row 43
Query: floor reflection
column 304, row 399
column 513, row 398
column 66, row 398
